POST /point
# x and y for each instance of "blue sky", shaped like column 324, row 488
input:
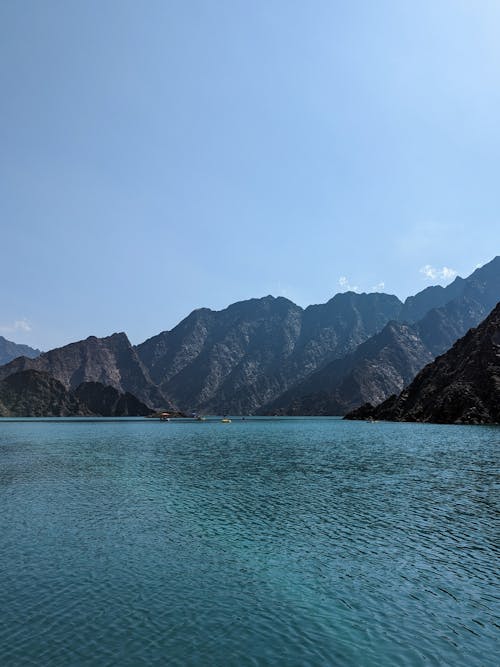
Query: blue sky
column 161, row 156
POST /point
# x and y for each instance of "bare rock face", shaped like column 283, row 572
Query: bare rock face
column 379, row 367
column 10, row 350
column 112, row 361
column 461, row 386
column 33, row 393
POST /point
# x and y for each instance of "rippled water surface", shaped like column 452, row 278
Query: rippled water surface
column 279, row 542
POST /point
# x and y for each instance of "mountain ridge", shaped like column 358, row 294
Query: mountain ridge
column 10, row 350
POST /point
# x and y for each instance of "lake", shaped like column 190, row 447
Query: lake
column 285, row 542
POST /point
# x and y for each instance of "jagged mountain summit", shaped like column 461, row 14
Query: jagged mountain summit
column 386, row 363
column 461, row 386
column 10, row 350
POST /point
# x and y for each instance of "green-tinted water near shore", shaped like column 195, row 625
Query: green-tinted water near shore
column 266, row 542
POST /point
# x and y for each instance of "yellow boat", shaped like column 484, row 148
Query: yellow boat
column 226, row 421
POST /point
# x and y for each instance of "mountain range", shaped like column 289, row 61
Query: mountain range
column 270, row 356
column 388, row 361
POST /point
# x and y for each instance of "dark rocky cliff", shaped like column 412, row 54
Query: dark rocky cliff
column 461, row 386
column 10, row 350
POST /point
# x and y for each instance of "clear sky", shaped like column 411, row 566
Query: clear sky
column 165, row 155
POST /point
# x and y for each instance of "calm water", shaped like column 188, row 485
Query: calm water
column 287, row 542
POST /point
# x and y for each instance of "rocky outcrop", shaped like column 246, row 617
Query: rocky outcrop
column 10, row 350
column 236, row 359
column 461, row 386
column 33, row 393
column 112, row 361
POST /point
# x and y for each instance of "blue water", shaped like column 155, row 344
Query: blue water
column 273, row 542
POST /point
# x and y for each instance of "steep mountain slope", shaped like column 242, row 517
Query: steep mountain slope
column 33, row 393
column 388, row 362
column 236, row 359
column 379, row 367
column 461, row 386
column 111, row 360
column 10, row 350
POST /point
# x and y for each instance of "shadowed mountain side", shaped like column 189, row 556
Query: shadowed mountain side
column 33, row 393
column 10, row 350
column 461, row 386
column 236, row 359
column 378, row 367
column 112, row 361
column 109, row 402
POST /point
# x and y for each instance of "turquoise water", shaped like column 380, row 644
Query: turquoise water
column 270, row 542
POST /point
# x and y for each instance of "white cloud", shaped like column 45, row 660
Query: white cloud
column 441, row 275
column 378, row 287
column 346, row 286
column 18, row 325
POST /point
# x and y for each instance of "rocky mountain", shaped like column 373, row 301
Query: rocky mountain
column 461, row 386
column 10, row 350
column 236, row 359
column 112, row 361
column 33, row 393
column 390, row 360
column 379, row 367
